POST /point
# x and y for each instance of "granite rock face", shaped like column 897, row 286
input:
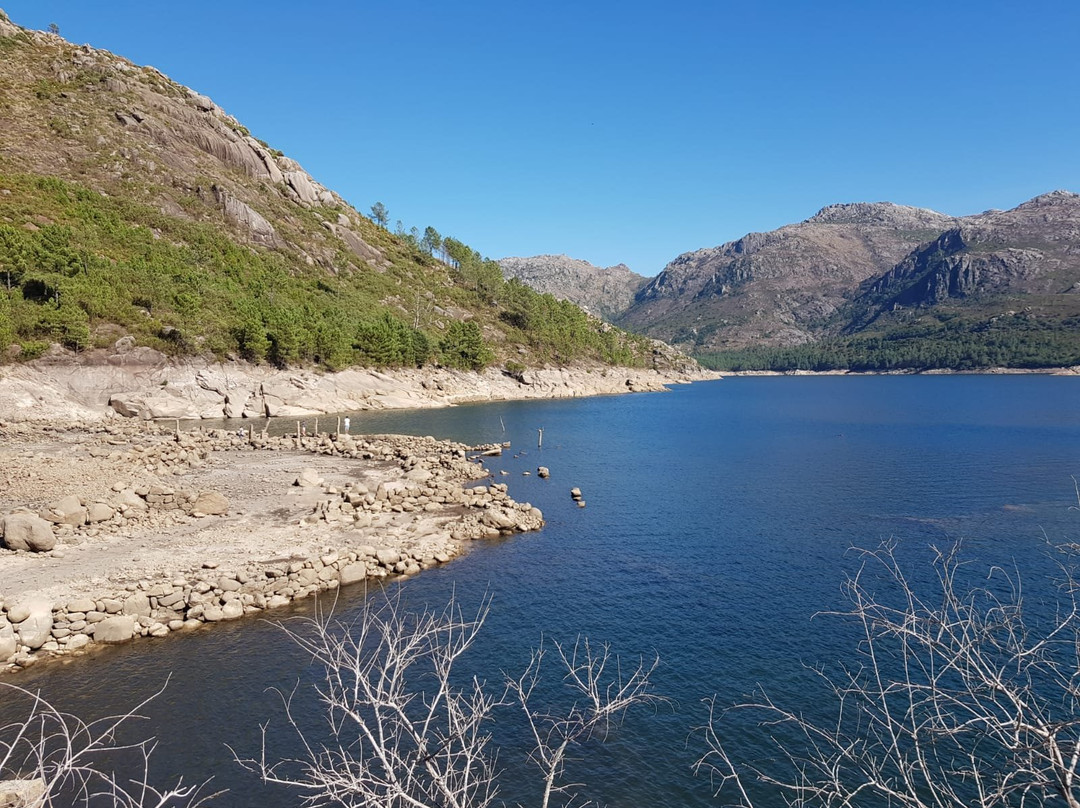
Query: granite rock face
column 855, row 265
column 606, row 292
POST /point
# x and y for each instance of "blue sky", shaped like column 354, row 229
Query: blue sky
column 627, row 131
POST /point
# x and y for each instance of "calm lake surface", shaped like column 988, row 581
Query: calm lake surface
column 720, row 520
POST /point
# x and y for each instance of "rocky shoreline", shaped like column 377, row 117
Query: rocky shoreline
column 129, row 530
column 138, row 382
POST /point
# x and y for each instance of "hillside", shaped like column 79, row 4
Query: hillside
column 781, row 287
column 131, row 206
column 880, row 286
column 605, row 291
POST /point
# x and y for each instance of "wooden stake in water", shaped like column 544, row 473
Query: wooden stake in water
column 540, row 439
column 339, row 424
column 316, row 426
column 297, row 430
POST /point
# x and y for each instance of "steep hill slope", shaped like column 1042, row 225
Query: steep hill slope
column 781, row 287
column 133, row 206
column 605, row 291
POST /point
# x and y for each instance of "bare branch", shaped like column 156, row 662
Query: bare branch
column 64, row 760
column 960, row 701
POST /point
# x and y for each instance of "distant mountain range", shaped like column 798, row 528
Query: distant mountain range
column 872, row 285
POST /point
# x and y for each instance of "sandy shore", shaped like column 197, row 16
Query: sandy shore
column 369, row 508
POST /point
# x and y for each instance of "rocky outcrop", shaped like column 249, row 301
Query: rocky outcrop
column 1030, row 250
column 605, row 292
column 245, row 217
column 99, row 385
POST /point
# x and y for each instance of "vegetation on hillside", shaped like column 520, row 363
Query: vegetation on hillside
column 77, row 267
column 1021, row 340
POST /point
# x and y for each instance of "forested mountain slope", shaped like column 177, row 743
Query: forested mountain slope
column 133, row 206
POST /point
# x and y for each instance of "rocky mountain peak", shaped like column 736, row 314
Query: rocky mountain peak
column 886, row 214
column 604, row 291
column 1052, row 198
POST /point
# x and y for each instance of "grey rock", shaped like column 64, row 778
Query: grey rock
column 353, row 573
column 244, row 216
column 99, row 512
column 8, row 644
column 66, row 511
column 137, row 605
column 119, row 628
column 36, row 629
column 25, row 531
column 309, row 478
column 387, row 556
column 210, row 503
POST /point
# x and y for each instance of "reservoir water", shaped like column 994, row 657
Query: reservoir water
column 720, row 520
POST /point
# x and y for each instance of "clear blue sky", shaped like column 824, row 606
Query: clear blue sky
column 627, row 131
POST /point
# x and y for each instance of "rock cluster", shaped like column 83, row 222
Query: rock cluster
column 155, row 608
column 436, row 484
column 77, row 517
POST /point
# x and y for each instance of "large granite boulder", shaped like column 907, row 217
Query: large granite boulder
column 118, row 628
column 8, row 644
column 66, row 511
column 26, row 531
column 210, row 503
column 35, row 622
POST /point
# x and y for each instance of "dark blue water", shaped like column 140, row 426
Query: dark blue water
column 720, row 520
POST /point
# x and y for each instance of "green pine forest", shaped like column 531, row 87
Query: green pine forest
column 939, row 341
column 79, row 268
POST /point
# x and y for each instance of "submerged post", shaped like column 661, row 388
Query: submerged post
column 540, row 438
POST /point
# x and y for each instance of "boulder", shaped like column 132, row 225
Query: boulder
column 8, row 645
column 210, row 503
column 499, row 518
column 232, row 610
column 99, row 512
column 66, row 511
column 119, row 628
column 309, row 478
column 129, row 499
column 25, row 531
column 387, row 556
column 36, row 629
column 137, row 605
column 353, row 573
column 302, row 184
